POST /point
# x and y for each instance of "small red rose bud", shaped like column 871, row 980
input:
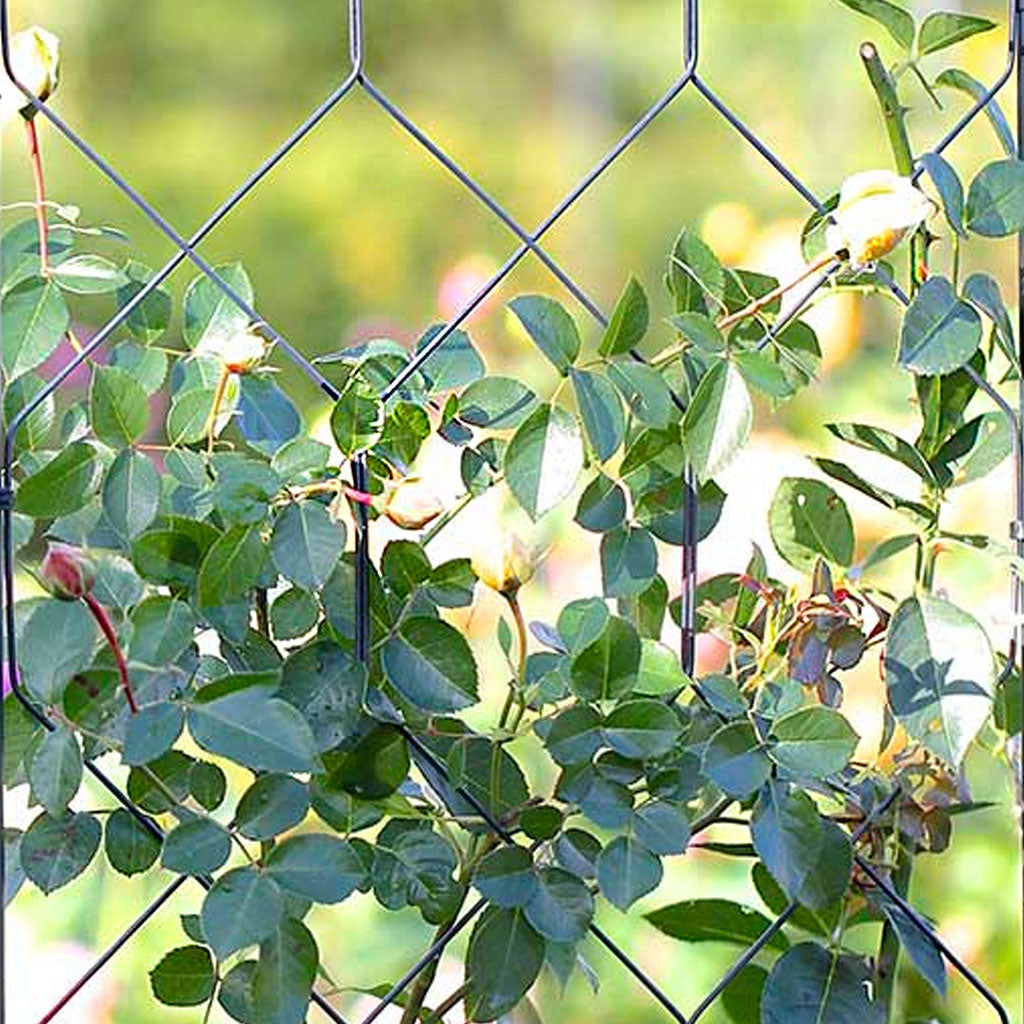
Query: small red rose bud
column 67, row 571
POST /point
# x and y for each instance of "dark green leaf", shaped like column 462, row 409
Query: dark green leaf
column 293, row 614
column 662, row 827
column 940, row 332
column 130, row 847
column 714, row 920
column 606, row 668
column 196, row 847
column 601, row 412
column 499, row 403
column 551, row 327
column 893, row 18
column 884, row 442
column 147, row 320
column 266, row 416
column 282, row 983
column 629, row 561
column 950, row 189
column 627, row 870
column 718, row 420
column 358, row 417
column 995, row 200
column 254, row 729
column 454, row 364
column 184, row 977
column 55, row 771
column 271, row 805
column 231, row 566
column 974, row 450
column 131, row 493
column 735, row 761
column 63, row 485
column 56, row 850
column 35, row 317
column 306, row 544
column 327, row 685
column 813, row 742
column 811, row 985
column 506, row 877
column 47, row 666
column 504, row 958
column 321, row 868
column 561, row 907
column 983, row 290
column 955, row 78
column 629, row 321
column 642, row 729
column 118, row 405
column 602, row 505
column 647, row 396
column 695, row 277
column 431, row 665
column 575, row 735
column 243, row 907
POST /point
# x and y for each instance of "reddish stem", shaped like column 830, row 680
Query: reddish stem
column 37, row 175
column 99, row 613
column 358, row 496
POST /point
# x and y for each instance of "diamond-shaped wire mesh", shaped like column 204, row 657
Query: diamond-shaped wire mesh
column 358, row 78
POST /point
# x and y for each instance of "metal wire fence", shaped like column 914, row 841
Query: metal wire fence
column 358, row 78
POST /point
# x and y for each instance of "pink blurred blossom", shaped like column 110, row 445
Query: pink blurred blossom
column 462, row 282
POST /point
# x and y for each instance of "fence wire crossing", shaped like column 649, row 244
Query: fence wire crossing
column 186, row 250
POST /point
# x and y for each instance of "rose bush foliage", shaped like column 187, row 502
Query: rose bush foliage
column 180, row 493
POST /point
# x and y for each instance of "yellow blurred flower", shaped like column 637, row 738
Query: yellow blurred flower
column 412, row 504
column 503, row 563
column 876, row 210
column 729, row 229
column 35, row 60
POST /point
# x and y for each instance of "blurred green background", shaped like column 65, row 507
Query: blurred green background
column 359, row 233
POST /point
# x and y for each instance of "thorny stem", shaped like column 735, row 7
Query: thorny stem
column 262, row 612
column 218, row 399
column 99, row 613
column 40, row 185
column 448, row 1004
column 889, row 949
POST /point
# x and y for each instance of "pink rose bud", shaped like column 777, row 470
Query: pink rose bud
column 67, row 571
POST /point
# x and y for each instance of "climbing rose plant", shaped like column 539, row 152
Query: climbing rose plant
column 196, row 616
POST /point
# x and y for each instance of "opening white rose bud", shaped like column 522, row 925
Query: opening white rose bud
column 503, row 564
column 35, row 60
column 412, row 504
column 876, row 210
column 240, row 352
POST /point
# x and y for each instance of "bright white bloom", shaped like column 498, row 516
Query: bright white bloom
column 239, row 352
column 35, row 59
column 876, row 210
column 503, row 563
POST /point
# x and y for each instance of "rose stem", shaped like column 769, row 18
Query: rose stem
column 37, row 174
column 99, row 613
column 218, row 398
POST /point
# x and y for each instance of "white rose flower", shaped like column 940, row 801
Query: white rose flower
column 239, row 352
column 35, row 59
column 876, row 210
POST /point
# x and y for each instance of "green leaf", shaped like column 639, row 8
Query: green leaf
column 119, row 407
column 742, row 999
column 184, row 977
column 629, row 321
column 130, row 848
column 662, row 827
column 55, row 771
column 884, row 442
column 430, row 664
column 306, row 544
column 320, row 868
column 35, row 317
column 551, row 327
column 940, row 675
column 642, row 729
column 209, row 313
column 235, row 994
column 606, row 668
column 811, row 985
column 454, row 364
column 150, row 318
column 762, row 373
column 955, row 78
column 808, row 520
column 254, row 729
column 575, row 735
column 46, row 666
column 327, row 684
column 920, row 946
column 131, row 493
column 940, row 30
column 645, row 393
column 695, row 277
column 950, row 189
column 809, row 856
column 63, row 485
column 36, row 430
column 602, row 505
column 56, row 850
column 293, row 614
column 913, row 510
column 718, row 420
column 983, row 291
column 162, row 630
column 498, row 403
column 629, row 561
column 544, row 459
column 506, row 877
column 504, row 958
column 172, row 554
column 231, row 566
column 243, row 907
column 265, row 416
column 196, row 847
column 282, row 983
column 735, row 761
column 813, row 742
column 601, row 412
column 561, row 907
column 714, row 920
column 893, row 18
column 627, row 870
column 940, row 332
column 995, row 200
column 375, row 765
column 357, row 420
column 974, row 450
column 89, row 274
column 271, row 805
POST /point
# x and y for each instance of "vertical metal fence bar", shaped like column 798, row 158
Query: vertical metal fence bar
column 1017, row 655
